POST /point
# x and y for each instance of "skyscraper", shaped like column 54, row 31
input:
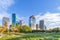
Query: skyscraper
column 17, row 22
column 22, row 22
column 41, row 24
column 37, row 27
column 5, row 20
column 32, row 22
column 14, row 19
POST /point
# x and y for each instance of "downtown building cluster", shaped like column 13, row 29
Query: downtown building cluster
column 34, row 26
column 32, row 22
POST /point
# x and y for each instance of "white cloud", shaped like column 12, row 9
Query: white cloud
column 4, row 14
column 4, row 6
column 51, row 19
column 19, row 18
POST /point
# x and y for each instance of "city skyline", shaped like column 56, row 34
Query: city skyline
column 48, row 10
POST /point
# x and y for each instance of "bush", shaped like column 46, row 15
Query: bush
column 38, row 31
column 25, row 29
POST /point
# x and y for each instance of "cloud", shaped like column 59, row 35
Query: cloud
column 51, row 20
column 4, row 6
column 18, row 17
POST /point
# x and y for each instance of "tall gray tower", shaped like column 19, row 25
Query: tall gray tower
column 41, row 24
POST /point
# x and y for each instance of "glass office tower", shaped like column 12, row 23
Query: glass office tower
column 14, row 19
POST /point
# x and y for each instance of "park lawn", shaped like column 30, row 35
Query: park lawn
column 33, row 36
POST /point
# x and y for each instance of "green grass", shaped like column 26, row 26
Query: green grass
column 33, row 36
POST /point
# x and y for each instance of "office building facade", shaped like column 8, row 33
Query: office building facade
column 41, row 24
column 5, row 20
column 22, row 22
column 14, row 19
column 32, row 22
column 37, row 27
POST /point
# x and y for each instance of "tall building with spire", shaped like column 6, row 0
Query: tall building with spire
column 32, row 22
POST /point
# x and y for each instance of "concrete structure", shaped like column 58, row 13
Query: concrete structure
column 32, row 22
column 14, row 19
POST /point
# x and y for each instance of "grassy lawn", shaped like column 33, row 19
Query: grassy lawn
column 32, row 36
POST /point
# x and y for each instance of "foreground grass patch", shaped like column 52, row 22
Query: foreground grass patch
column 33, row 36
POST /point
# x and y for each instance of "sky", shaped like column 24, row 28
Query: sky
column 48, row 10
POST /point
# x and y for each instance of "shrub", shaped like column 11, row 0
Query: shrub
column 25, row 29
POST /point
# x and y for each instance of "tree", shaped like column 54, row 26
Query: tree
column 5, row 26
column 1, row 29
column 18, row 27
column 25, row 29
column 56, row 29
column 13, row 28
column 12, row 25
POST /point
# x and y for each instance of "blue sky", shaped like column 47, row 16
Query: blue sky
column 49, row 10
column 32, row 7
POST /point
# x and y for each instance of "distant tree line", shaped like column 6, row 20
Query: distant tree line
column 24, row 29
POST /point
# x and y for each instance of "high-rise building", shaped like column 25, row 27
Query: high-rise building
column 17, row 22
column 32, row 22
column 22, row 22
column 37, row 27
column 14, row 19
column 5, row 20
column 45, row 27
column 41, row 24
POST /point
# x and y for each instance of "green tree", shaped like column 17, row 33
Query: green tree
column 5, row 27
column 25, row 28
column 12, row 25
column 13, row 28
column 18, row 27
column 56, row 29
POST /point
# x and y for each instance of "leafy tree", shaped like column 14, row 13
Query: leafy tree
column 56, row 29
column 25, row 28
column 12, row 25
column 1, row 29
column 18, row 27
column 5, row 26
column 14, row 28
